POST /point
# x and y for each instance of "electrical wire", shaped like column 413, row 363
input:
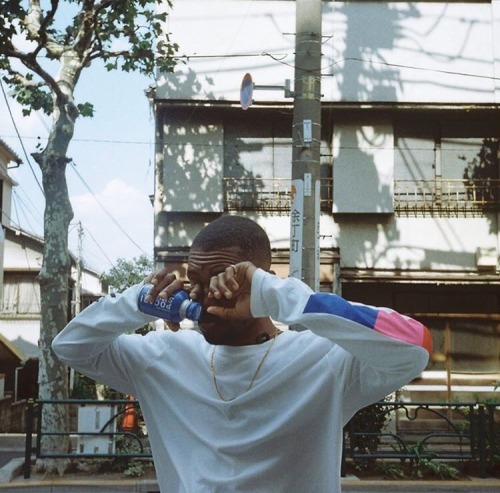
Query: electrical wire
column 19, row 137
column 93, row 141
column 15, row 204
column 30, row 208
column 17, row 196
column 113, row 219
column 111, row 263
column 411, row 67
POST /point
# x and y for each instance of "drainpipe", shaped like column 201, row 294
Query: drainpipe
column 16, row 381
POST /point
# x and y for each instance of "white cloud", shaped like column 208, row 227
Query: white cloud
column 129, row 207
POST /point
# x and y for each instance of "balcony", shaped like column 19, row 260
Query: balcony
column 268, row 194
column 411, row 197
column 446, row 197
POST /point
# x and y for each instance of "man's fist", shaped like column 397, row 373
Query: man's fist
column 234, row 283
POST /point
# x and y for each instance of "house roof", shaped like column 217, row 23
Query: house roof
column 27, row 348
column 8, row 350
column 11, row 155
column 21, row 232
column 36, row 243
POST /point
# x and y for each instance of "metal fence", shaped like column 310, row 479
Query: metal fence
column 268, row 194
column 108, row 428
column 423, row 196
column 404, row 431
column 446, row 195
column 412, row 431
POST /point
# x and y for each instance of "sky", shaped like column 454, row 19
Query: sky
column 112, row 177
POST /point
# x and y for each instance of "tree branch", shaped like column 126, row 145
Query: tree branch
column 47, row 20
column 36, row 26
column 19, row 78
column 33, row 20
column 85, row 31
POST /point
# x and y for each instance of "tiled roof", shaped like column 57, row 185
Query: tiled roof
column 13, row 156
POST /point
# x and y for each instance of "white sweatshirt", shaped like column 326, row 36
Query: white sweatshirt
column 285, row 433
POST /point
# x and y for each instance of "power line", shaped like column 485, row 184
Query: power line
column 99, row 247
column 93, row 141
column 88, row 232
column 19, row 137
column 424, row 69
column 26, row 210
column 118, row 225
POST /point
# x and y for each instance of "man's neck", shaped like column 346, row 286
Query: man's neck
column 261, row 330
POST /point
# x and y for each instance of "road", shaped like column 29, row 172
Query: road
column 7, row 455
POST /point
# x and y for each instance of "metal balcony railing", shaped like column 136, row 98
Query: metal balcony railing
column 268, row 194
column 441, row 195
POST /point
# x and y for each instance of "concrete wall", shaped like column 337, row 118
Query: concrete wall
column 372, row 51
column 396, row 52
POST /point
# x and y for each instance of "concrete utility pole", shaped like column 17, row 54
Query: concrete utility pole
column 78, row 293
column 78, row 284
column 305, row 206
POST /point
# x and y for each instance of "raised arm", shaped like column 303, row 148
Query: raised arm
column 290, row 301
column 387, row 349
column 95, row 343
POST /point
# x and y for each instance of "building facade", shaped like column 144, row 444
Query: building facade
column 409, row 161
column 21, row 257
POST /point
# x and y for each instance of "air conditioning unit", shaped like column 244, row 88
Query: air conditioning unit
column 486, row 259
column 96, row 423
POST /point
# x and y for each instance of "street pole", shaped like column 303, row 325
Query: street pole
column 78, row 294
column 78, row 285
column 306, row 138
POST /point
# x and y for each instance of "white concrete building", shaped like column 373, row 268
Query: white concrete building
column 410, row 197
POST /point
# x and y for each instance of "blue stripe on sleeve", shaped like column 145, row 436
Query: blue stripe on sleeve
column 335, row 305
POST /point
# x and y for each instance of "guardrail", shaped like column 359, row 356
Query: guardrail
column 268, row 194
column 412, row 431
column 405, row 431
column 439, row 196
column 97, row 428
column 447, row 195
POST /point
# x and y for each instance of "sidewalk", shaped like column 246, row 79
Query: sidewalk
column 13, row 482
column 348, row 485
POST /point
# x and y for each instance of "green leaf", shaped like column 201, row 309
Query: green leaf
column 128, row 272
column 86, row 109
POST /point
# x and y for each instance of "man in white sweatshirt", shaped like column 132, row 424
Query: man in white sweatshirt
column 241, row 406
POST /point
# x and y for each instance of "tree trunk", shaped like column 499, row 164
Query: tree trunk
column 53, row 278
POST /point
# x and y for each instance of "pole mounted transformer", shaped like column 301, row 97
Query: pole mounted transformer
column 306, row 138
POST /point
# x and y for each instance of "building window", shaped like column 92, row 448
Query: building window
column 258, row 161
column 21, row 297
column 446, row 168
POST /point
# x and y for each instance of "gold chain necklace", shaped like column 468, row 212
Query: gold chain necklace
column 214, row 377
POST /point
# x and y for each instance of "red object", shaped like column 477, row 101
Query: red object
column 129, row 422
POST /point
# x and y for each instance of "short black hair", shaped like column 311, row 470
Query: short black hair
column 236, row 232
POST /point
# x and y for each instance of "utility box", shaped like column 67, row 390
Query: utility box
column 486, row 259
column 96, row 419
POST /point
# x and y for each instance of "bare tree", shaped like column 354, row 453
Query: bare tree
column 42, row 56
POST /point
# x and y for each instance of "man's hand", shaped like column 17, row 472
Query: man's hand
column 235, row 284
column 164, row 285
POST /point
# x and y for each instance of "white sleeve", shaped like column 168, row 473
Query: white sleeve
column 95, row 343
column 388, row 349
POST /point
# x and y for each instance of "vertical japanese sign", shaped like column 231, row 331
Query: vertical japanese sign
column 317, row 215
column 296, row 228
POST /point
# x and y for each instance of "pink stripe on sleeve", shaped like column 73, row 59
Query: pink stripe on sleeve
column 396, row 326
